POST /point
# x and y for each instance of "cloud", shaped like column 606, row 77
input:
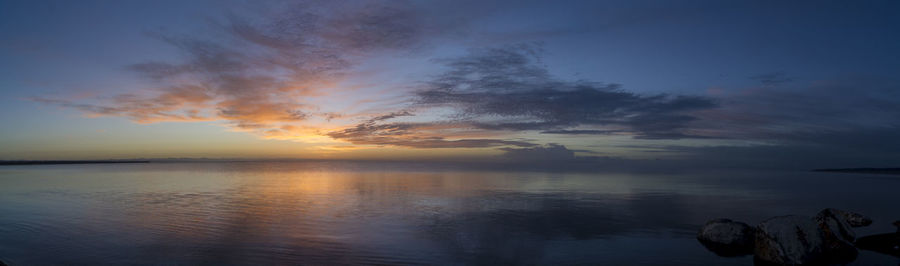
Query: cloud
column 581, row 132
column 843, row 104
column 264, row 71
column 772, row 79
column 414, row 135
column 848, row 121
column 841, row 149
column 507, row 89
column 548, row 153
column 268, row 73
column 278, row 72
column 176, row 104
column 501, row 92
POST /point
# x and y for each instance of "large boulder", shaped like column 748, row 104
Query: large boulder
column 794, row 240
column 852, row 218
column 837, row 234
column 789, row 240
column 726, row 237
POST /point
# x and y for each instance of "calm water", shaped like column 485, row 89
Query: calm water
column 366, row 213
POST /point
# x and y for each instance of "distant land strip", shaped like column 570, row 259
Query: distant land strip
column 886, row 171
column 70, row 162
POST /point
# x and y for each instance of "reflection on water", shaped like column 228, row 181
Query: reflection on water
column 366, row 213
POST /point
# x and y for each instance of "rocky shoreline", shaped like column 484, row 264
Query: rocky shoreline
column 825, row 238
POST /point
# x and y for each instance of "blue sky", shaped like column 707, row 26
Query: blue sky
column 460, row 80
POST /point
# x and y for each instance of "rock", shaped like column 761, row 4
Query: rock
column 2, row 264
column 789, row 240
column 726, row 237
column 795, row 240
column 852, row 218
column 837, row 235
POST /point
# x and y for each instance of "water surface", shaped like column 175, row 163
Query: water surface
column 265, row 213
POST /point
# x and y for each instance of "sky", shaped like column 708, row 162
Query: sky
column 687, row 83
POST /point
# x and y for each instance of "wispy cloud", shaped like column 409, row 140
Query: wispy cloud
column 415, row 135
column 263, row 75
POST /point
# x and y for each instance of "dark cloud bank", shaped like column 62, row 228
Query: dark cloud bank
column 849, row 122
column 507, row 90
column 510, row 85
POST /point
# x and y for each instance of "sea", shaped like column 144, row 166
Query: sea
column 398, row 213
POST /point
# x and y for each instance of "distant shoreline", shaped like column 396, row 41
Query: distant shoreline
column 884, row 171
column 70, row 162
